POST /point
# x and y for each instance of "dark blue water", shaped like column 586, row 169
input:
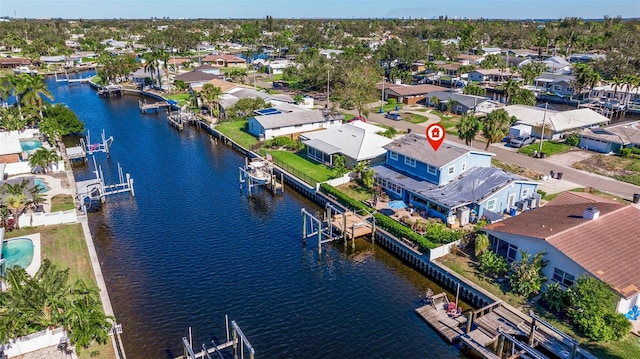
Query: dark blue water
column 190, row 248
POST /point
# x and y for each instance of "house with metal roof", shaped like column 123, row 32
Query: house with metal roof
column 556, row 123
column 492, row 75
column 356, row 141
column 455, row 183
column 273, row 122
column 581, row 234
column 611, row 139
column 559, row 85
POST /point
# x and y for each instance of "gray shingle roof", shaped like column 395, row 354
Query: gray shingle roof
column 469, row 101
column 290, row 119
column 417, row 147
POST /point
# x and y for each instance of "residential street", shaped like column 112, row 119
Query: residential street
column 558, row 163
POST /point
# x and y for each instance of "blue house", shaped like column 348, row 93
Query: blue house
column 456, row 183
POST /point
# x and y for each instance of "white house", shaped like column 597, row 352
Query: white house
column 356, row 141
column 271, row 122
column 555, row 122
column 275, row 67
column 582, row 234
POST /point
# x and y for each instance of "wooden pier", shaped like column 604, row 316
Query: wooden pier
column 110, row 90
column 352, row 225
column 152, row 106
column 435, row 314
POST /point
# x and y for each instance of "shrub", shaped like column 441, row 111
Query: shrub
column 573, row 140
column 493, row 265
column 481, row 244
column 526, row 278
column 392, row 101
column 556, row 299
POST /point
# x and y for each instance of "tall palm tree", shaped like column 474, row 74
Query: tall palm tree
column 19, row 85
column 496, row 126
column 10, row 119
column 150, row 64
column 43, row 158
column 211, row 94
column 510, row 89
column 468, row 128
column 36, row 88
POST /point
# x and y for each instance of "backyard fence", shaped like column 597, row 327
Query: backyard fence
column 294, row 171
column 45, row 219
column 33, row 342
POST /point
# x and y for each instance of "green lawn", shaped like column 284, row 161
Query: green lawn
column 413, row 118
column 276, row 77
column 64, row 246
column 548, row 148
column 181, row 98
column 302, row 167
column 356, row 191
column 347, row 116
column 449, row 122
column 236, row 130
column 62, row 202
column 390, row 107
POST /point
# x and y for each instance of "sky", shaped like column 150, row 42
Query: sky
column 219, row 9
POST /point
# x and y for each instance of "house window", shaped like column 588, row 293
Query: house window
column 409, row 161
column 431, row 170
column 511, row 253
column 563, row 277
column 525, row 193
column 463, row 167
column 459, row 108
column 491, row 204
column 451, row 170
column 393, row 155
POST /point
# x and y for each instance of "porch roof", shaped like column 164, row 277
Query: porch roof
column 322, row 146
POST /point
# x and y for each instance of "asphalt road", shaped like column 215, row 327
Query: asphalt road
column 509, row 156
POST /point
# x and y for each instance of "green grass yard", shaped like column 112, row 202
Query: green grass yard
column 413, row 118
column 181, row 98
column 301, row 166
column 236, row 130
column 549, row 148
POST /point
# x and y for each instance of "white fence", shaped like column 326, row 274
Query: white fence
column 340, row 180
column 443, row 250
column 44, row 219
column 33, row 342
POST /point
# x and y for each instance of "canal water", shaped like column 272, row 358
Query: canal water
column 191, row 247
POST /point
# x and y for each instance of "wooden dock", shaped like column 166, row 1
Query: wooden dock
column 435, row 314
column 148, row 106
column 352, row 225
column 111, row 90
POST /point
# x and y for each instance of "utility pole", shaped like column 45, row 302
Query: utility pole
column 382, row 97
column 544, row 117
column 328, row 100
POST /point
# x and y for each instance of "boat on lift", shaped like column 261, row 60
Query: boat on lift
column 25, row 70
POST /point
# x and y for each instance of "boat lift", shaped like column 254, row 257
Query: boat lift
column 235, row 339
column 96, row 189
column 88, row 148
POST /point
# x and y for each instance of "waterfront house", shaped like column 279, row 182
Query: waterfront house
column 13, row 62
column 141, row 75
column 196, row 77
column 611, row 139
column 281, row 101
column 408, row 94
column 557, row 65
column 556, row 123
column 558, row 85
column 462, row 103
column 356, row 141
column 582, row 234
column 10, row 148
column 277, row 122
column 455, row 183
column 275, row 67
column 225, row 60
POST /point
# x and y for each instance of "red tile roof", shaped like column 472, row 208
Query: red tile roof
column 607, row 247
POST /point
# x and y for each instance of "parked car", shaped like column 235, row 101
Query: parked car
column 522, row 141
column 393, row 116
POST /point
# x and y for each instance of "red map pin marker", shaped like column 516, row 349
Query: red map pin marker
column 435, row 135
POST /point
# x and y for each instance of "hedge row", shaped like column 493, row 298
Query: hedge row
column 393, row 227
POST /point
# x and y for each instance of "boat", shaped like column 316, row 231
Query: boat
column 258, row 171
column 24, row 70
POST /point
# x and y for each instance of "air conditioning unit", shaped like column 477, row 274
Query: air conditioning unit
column 531, row 203
column 522, row 205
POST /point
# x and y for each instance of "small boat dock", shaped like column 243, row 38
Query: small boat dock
column 177, row 119
column 152, row 106
column 435, row 313
column 110, row 90
column 352, row 225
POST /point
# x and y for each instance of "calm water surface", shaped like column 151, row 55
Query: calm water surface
column 190, row 248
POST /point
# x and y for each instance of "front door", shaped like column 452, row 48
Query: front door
column 512, row 200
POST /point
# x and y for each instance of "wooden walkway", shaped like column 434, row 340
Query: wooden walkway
column 356, row 226
column 435, row 314
column 146, row 106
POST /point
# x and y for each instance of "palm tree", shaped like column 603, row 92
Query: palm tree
column 510, row 89
column 150, row 65
column 496, row 126
column 10, row 120
column 210, row 94
column 19, row 84
column 36, row 88
column 468, row 128
column 298, row 98
column 43, row 158
column 5, row 91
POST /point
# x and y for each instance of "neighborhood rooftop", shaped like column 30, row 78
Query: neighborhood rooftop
column 416, row 146
column 606, row 246
column 558, row 121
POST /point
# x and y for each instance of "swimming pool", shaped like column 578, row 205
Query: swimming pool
column 41, row 184
column 17, row 251
column 30, row 145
